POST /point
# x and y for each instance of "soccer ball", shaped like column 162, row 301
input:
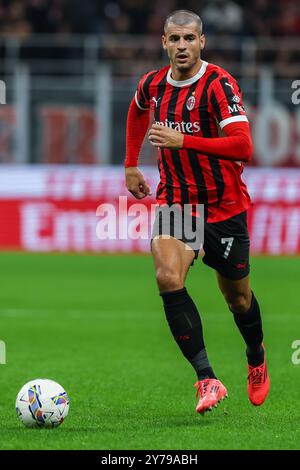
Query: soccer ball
column 42, row 403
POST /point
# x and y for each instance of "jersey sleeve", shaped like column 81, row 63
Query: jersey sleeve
column 142, row 94
column 226, row 101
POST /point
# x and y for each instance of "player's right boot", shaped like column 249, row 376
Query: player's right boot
column 258, row 383
column 210, row 393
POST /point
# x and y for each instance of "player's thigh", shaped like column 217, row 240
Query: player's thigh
column 172, row 259
column 170, row 246
column 226, row 247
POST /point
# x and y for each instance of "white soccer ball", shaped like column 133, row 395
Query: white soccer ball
column 42, row 403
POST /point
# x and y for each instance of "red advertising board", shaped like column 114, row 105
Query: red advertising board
column 57, row 208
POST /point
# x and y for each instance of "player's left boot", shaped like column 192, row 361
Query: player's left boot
column 258, row 383
column 210, row 392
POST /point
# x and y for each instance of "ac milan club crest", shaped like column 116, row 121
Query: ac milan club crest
column 191, row 103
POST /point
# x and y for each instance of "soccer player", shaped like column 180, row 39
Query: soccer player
column 203, row 138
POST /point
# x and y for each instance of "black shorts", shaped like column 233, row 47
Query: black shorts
column 226, row 245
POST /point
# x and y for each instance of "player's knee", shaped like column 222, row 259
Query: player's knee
column 239, row 303
column 168, row 279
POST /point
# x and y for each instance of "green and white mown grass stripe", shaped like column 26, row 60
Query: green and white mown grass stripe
column 95, row 324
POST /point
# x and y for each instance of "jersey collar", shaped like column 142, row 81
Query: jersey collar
column 189, row 81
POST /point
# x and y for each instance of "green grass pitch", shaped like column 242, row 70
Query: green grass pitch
column 95, row 324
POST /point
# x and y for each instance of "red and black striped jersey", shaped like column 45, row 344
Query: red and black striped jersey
column 200, row 106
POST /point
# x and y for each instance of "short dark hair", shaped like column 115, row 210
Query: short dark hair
column 183, row 17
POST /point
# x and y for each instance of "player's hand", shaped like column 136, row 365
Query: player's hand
column 136, row 183
column 165, row 137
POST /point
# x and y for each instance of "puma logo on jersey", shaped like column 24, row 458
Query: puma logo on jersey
column 155, row 101
column 241, row 265
column 229, row 84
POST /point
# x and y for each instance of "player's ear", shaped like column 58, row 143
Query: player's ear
column 202, row 41
column 164, row 41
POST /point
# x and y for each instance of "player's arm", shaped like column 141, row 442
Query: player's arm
column 136, row 128
column 236, row 145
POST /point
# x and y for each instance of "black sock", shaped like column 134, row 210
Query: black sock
column 250, row 326
column 185, row 325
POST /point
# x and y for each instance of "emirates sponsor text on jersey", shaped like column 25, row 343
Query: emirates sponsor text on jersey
column 186, row 127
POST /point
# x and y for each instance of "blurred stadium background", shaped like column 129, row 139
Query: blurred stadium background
column 70, row 69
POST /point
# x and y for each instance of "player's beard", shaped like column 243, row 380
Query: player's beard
column 185, row 67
